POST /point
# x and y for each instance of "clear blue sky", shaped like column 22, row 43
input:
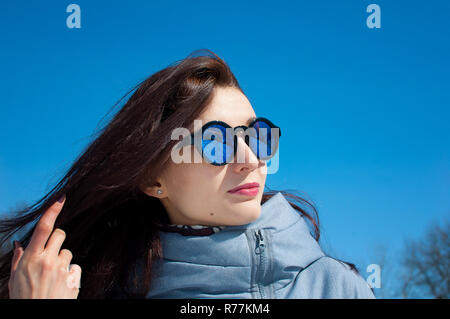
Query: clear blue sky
column 364, row 112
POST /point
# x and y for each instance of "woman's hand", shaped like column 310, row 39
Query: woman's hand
column 42, row 269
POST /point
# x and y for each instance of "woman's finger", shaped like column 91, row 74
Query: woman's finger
column 44, row 227
column 74, row 279
column 65, row 256
column 18, row 252
column 55, row 242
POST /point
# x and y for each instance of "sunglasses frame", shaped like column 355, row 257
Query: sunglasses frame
column 191, row 141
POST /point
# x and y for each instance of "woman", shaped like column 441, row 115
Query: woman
column 137, row 222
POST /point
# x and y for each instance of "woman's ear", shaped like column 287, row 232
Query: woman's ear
column 156, row 190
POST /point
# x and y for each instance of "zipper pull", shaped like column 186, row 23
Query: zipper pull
column 259, row 243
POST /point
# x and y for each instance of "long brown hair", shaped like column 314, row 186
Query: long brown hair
column 104, row 202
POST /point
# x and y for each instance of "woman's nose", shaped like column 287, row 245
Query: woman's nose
column 244, row 156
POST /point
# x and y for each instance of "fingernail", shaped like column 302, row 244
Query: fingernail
column 61, row 199
column 16, row 244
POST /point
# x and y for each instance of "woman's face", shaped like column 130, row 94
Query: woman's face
column 197, row 193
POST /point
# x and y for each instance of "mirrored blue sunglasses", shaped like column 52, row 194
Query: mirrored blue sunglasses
column 219, row 140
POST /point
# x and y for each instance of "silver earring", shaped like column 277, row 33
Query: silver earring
column 159, row 192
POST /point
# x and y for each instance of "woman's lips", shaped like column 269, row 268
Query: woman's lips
column 247, row 191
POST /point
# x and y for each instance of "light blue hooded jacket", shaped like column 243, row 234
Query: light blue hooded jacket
column 273, row 257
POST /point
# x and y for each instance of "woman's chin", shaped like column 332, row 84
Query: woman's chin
column 245, row 217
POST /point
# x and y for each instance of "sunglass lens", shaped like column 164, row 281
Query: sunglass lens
column 217, row 145
column 263, row 141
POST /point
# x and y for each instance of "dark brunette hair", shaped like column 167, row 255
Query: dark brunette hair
column 103, row 187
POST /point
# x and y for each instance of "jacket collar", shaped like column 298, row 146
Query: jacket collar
column 221, row 248
column 190, row 265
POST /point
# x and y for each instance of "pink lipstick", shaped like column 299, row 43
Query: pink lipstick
column 249, row 189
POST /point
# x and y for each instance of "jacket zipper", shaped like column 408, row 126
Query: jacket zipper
column 259, row 250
